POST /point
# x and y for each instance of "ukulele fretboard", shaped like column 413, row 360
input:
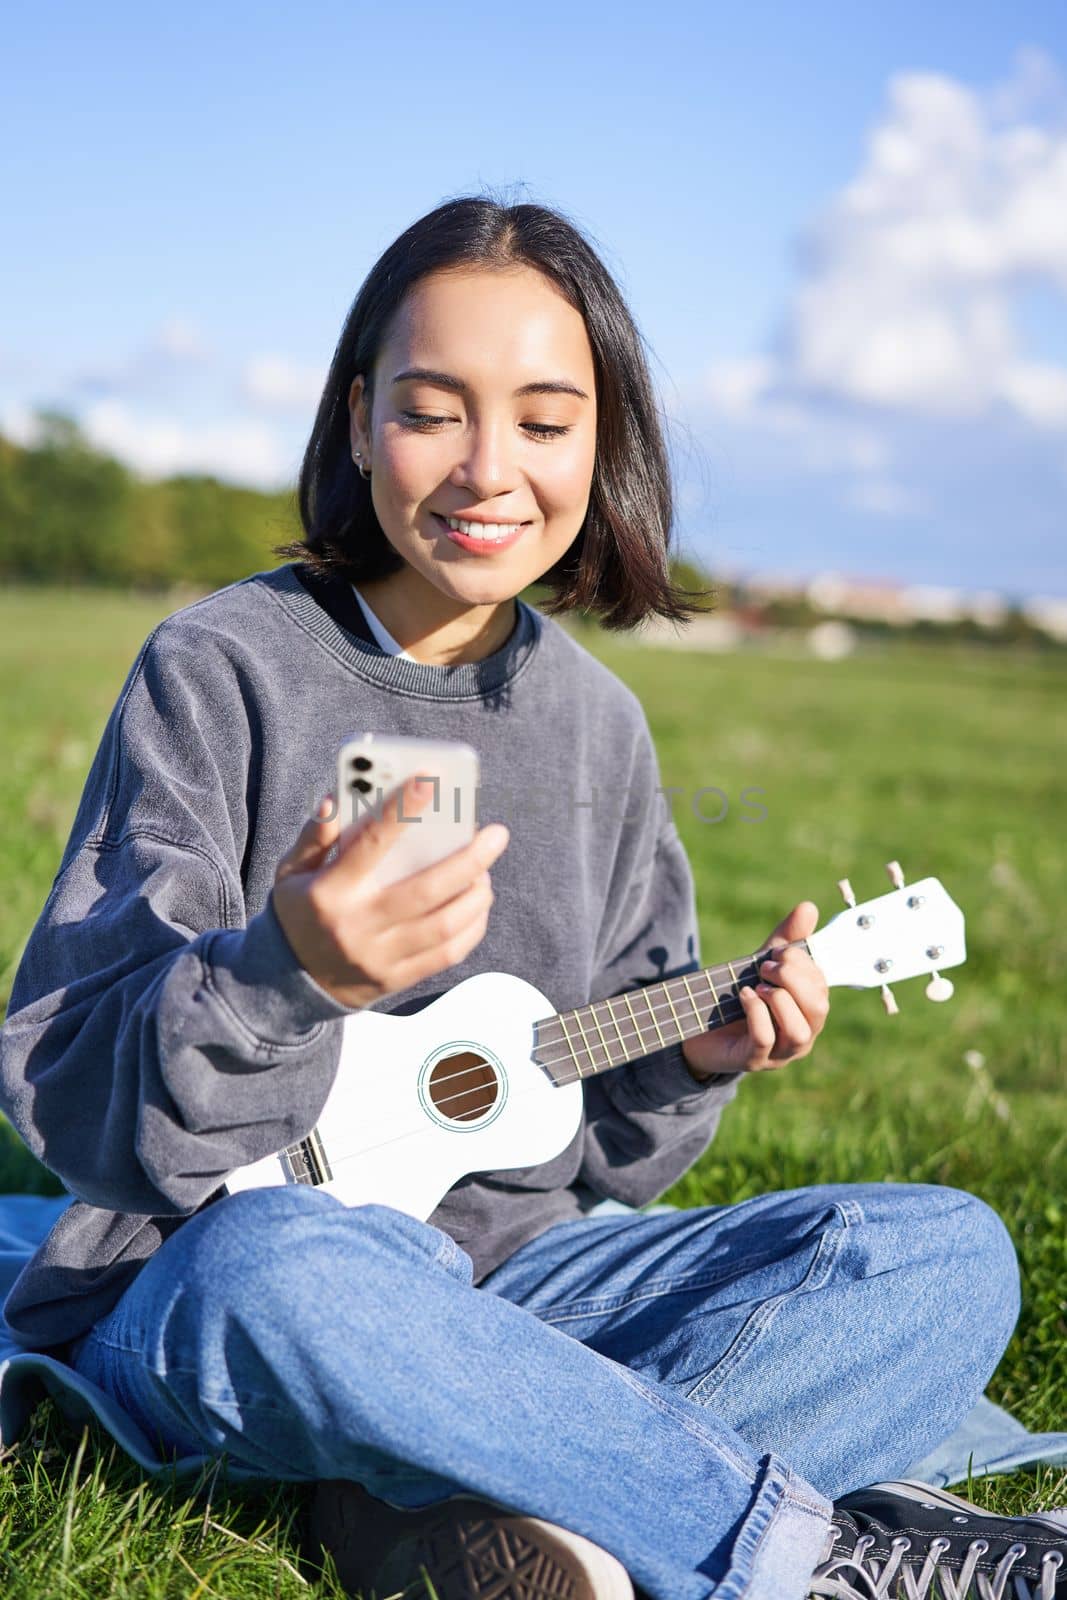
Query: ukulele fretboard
column 625, row 1027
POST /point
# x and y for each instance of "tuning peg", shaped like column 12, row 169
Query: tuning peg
column 846, row 891
column 940, row 988
column 896, row 874
column 889, row 1001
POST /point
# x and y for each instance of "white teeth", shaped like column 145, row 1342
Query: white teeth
column 482, row 530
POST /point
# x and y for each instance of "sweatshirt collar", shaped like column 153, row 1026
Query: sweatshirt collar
column 468, row 680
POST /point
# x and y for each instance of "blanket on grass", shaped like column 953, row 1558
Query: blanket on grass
column 988, row 1440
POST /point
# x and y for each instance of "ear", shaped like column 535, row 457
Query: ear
column 358, row 430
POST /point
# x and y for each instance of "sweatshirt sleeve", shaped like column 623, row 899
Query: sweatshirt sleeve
column 648, row 1121
column 156, row 1039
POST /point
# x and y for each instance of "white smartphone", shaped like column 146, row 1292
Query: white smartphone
column 371, row 765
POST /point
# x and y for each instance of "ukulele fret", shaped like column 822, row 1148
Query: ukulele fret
column 588, row 1049
column 618, row 1030
column 714, row 992
column 568, row 1040
column 674, row 1014
column 652, row 1014
column 633, row 1017
column 604, row 1045
column 692, row 1002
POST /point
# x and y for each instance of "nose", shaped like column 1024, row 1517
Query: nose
column 487, row 464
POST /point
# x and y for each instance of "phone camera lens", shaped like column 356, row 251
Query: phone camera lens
column 361, row 784
column 360, row 763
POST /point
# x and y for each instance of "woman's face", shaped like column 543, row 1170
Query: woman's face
column 463, row 440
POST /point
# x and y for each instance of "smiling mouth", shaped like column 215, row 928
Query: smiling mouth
column 491, row 532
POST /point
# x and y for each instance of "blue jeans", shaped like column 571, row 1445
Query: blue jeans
column 688, row 1389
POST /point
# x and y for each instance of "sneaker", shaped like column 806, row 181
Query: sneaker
column 906, row 1541
column 471, row 1550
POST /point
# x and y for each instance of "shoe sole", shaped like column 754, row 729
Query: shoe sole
column 504, row 1558
column 913, row 1489
column 471, row 1555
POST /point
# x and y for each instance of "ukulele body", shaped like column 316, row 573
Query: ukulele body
column 420, row 1101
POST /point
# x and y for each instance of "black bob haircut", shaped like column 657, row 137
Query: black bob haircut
column 617, row 566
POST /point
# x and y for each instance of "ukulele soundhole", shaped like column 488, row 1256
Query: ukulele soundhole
column 463, row 1087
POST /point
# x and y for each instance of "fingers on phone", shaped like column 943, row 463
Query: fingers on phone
column 377, row 827
column 442, row 939
column 423, row 891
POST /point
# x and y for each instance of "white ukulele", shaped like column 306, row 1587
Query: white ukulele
column 489, row 1076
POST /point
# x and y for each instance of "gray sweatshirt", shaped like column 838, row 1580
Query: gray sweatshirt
column 161, row 1032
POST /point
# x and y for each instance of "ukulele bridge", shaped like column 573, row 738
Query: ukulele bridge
column 306, row 1162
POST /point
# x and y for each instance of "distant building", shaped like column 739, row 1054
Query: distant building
column 763, row 604
column 1048, row 614
column 883, row 600
column 988, row 608
column 926, row 602
column 868, row 599
column 700, row 633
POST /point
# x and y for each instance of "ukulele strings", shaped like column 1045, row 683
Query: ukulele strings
column 736, row 1012
column 665, row 1009
column 543, row 1059
column 727, row 995
column 338, row 1160
column 589, row 1043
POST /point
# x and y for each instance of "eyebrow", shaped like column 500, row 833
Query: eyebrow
column 445, row 380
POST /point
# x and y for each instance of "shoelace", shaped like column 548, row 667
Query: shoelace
column 895, row 1581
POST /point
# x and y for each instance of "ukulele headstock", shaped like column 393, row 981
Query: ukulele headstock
column 915, row 930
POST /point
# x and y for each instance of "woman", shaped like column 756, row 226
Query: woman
column 585, row 1402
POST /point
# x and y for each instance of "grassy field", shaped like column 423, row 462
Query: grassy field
column 951, row 761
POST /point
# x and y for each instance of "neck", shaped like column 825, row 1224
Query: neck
column 608, row 1033
column 432, row 627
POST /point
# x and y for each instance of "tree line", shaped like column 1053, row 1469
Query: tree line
column 71, row 514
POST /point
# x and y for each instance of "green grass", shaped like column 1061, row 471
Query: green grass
column 950, row 760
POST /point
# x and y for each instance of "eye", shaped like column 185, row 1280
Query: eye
column 417, row 419
column 423, row 423
column 546, row 430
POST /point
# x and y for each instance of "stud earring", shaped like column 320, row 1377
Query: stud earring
column 364, row 472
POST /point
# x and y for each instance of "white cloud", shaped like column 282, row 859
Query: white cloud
column 20, row 424
column 735, row 386
column 175, row 347
column 239, row 451
column 1037, row 80
column 279, row 385
column 180, row 340
column 901, row 416
column 884, row 498
column 806, row 440
column 169, row 405
column 906, row 302
column 1038, row 392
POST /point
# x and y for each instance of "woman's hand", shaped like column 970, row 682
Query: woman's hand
column 784, row 1014
column 360, row 942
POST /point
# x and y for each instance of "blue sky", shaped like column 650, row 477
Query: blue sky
column 842, row 231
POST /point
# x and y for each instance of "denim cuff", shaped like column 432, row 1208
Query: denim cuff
column 781, row 1540
column 258, row 975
